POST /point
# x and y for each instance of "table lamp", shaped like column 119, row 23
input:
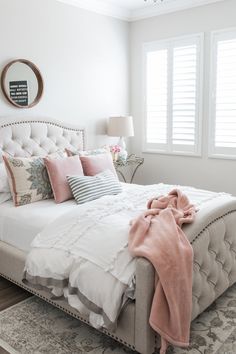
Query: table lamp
column 122, row 127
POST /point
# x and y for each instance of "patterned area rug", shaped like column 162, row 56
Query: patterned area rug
column 35, row 327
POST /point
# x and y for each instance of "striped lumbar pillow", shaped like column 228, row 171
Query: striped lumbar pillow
column 87, row 188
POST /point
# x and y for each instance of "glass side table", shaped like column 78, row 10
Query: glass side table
column 133, row 162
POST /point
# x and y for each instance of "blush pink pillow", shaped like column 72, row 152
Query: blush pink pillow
column 94, row 164
column 57, row 170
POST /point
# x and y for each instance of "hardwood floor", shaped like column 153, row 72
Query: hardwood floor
column 10, row 294
column 3, row 351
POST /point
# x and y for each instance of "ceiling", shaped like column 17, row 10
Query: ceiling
column 132, row 4
column 132, row 10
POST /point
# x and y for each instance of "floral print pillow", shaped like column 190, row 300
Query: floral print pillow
column 28, row 179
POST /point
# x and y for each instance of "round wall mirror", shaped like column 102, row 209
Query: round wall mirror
column 22, row 83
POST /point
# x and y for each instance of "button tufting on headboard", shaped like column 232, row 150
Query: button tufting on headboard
column 39, row 137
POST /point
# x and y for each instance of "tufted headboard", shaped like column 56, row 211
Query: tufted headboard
column 39, row 137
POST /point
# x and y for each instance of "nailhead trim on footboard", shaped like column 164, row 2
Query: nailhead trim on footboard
column 156, row 349
column 212, row 222
column 67, row 311
column 226, row 235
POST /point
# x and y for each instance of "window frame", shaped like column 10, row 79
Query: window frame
column 164, row 44
column 213, row 151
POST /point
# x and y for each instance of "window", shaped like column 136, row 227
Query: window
column 222, row 130
column 173, row 77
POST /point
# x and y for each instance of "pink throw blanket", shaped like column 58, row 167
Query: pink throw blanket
column 157, row 236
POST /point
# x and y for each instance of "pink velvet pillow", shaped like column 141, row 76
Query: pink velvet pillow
column 94, row 164
column 57, row 170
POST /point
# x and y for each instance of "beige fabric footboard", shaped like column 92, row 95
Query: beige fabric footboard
column 213, row 237
column 133, row 320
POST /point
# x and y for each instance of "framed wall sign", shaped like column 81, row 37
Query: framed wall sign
column 19, row 92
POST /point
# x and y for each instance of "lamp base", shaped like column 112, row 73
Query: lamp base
column 123, row 154
column 122, row 143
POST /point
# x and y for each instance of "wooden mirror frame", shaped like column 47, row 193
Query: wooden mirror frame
column 38, row 77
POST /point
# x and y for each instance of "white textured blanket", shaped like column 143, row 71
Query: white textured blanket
column 88, row 247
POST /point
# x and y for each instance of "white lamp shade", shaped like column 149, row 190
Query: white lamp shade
column 120, row 126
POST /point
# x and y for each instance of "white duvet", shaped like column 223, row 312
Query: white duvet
column 83, row 254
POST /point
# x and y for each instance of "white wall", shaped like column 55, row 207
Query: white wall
column 214, row 174
column 83, row 58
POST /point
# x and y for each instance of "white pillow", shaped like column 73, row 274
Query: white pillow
column 4, row 185
column 4, row 197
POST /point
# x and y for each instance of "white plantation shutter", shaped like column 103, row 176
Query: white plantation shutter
column 172, row 95
column 157, row 97
column 184, row 95
column 223, row 117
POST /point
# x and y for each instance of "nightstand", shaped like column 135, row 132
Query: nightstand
column 132, row 163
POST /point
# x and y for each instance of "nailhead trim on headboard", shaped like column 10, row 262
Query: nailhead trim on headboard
column 47, row 123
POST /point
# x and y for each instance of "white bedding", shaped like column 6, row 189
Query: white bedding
column 88, row 247
column 19, row 225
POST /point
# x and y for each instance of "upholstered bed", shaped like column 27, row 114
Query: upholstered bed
column 212, row 235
